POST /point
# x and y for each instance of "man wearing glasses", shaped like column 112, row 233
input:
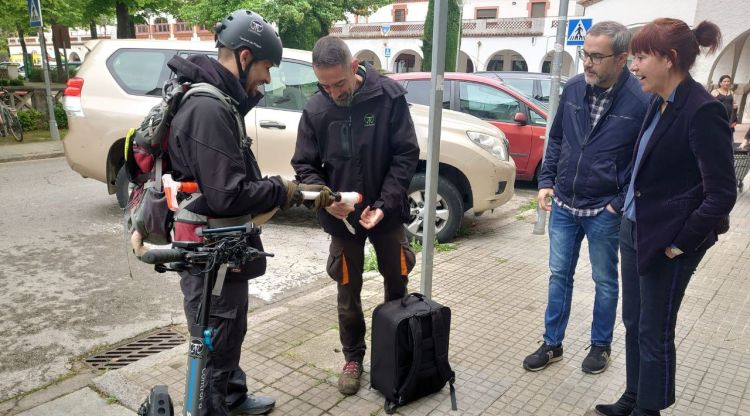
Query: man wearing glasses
column 583, row 183
column 357, row 135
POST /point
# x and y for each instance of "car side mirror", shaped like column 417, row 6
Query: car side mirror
column 521, row 119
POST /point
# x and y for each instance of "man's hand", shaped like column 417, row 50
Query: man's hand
column 293, row 194
column 612, row 210
column 339, row 210
column 324, row 198
column 545, row 193
column 371, row 218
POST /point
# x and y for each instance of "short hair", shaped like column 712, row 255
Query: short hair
column 331, row 51
column 617, row 32
column 674, row 40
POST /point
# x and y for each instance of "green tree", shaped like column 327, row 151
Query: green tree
column 453, row 36
column 300, row 22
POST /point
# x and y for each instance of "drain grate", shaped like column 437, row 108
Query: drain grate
column 126, row 354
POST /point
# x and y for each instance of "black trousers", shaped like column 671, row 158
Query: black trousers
column 345, row 266
column 226, row 385
column 650, row 302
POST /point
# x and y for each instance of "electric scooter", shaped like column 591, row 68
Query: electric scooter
column 222, row 248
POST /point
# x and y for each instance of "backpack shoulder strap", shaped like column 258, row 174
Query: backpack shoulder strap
column 440, row 339
column 230, row 103
column 415, row 326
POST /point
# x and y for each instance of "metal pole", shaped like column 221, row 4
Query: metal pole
column 440, row 27
column 578, row 51
column 50, row 107
column 562, row 17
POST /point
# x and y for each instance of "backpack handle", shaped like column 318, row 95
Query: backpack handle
column 415, row 294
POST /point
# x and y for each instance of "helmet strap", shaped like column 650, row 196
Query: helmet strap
column 243, row 72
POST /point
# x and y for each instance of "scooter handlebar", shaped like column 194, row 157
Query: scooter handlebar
column 163, row 256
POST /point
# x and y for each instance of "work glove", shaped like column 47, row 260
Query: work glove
column 325, row 196
column 293, row 196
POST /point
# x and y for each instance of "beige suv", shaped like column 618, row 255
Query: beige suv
column 120, row 80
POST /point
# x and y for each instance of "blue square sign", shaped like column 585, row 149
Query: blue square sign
column 577, row 29
column 35, row 13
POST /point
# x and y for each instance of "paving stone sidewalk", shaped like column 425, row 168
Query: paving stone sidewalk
column 495, row 283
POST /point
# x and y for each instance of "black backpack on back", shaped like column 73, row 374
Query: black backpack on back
column 410, row 350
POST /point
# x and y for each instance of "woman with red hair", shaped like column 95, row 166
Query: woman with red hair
column 682, row 189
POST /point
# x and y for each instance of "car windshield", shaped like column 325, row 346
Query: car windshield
column 541, row 104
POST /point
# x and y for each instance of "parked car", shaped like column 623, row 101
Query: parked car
column 535, row 85
column 522, row 119
column 120, row 80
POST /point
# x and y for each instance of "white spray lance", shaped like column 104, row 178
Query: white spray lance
column 349, row 198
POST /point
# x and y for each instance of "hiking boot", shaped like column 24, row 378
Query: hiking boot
column 544, row 356
column 253, row 405
column 622, row 407
column 349, row 378
column 597, row 360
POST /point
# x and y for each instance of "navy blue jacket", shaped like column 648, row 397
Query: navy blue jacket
column 591, row 168
column 685, row 185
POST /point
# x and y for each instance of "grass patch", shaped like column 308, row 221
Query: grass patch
column 371, row 259
column 33, row 136
column 530, row 205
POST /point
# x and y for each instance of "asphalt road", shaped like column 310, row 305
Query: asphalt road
column 65, row 276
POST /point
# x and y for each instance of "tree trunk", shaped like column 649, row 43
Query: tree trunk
column 123, row 20
column 92, row 29
column 27, row 64
column 131, row 28
column 58, row 59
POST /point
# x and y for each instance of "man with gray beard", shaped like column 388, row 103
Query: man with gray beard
column 356, row 134
column 583, row 183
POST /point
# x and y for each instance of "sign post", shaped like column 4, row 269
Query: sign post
column 35, row 20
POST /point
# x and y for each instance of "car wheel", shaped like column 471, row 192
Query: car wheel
column 122, row 187
column 449, row 209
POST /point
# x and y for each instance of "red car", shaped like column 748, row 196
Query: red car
column 522, row 119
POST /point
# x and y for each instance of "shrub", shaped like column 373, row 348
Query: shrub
column 32, row 120
column 60, row 117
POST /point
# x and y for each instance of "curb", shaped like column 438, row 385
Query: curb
column 20, row 158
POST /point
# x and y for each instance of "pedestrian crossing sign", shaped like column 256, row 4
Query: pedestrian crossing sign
column 35, row 13
column 577, row 29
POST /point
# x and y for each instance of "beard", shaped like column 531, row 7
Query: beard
column 344, row 100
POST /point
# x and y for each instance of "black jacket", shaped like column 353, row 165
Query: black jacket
column 206, row 146
column 370, row 147
column 685, row 185
column 591, row 168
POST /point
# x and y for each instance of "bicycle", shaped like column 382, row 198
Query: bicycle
column 9, row 121
column 222, row 246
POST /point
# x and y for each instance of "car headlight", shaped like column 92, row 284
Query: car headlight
column 496, row 146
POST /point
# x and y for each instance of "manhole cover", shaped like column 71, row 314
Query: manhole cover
column 134, row 351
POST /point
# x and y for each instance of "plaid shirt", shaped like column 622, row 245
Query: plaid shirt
column 597, row 104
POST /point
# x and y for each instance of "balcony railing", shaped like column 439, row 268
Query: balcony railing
column 471, row 28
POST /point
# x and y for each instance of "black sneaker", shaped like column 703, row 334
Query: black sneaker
column 544, row 356
column 622, row 407
column 597, row 360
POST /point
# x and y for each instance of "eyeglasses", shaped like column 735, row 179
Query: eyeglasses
column 596, row 58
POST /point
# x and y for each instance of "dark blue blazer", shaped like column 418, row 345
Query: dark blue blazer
column 685, row 185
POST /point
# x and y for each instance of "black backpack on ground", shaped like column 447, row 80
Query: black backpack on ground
column 410, row 350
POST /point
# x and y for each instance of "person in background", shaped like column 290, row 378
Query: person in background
column 725, row 95
column 681, row 191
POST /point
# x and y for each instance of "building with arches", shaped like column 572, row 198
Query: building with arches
column 519, row 35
